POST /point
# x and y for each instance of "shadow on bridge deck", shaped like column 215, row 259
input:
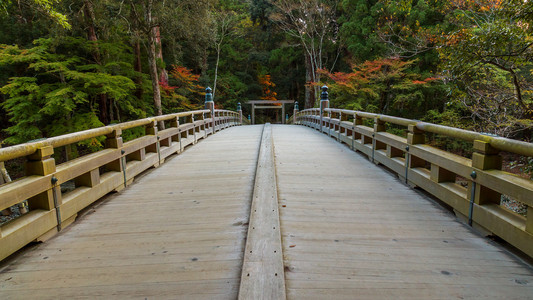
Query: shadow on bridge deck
column 349, row 230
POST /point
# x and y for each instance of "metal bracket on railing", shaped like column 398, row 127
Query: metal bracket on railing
column 407, row 158
column 158, row 147
column 353, row 138
column 339, row 138
column 373, row 146
column 56, row 202
column 123, row 159
column 472, row 197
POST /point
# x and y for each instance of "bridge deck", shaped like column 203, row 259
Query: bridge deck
column 349, row 230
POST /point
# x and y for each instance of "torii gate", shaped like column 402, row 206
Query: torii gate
column 269, row 105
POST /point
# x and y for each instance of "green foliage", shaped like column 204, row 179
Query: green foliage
column 47, row 7
column 461, row 63
column 383, row 86
column 487, row 59
column 359, row 26
column 57, row 98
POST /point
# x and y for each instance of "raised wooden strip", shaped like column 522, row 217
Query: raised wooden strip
column 262, row 271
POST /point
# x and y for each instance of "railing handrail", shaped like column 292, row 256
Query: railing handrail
column 25, row 149
column 474, row 187
column 93, row 175
column 500, row 143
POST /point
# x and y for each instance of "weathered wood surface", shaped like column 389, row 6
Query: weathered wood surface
column 177, row 232
column 350, row 230
column 262, row 271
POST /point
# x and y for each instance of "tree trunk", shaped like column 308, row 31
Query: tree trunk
column 91, row 36
column 138, row 68
column 154, row 76
column 216, row 71
column 310, row 97
column 163, row 75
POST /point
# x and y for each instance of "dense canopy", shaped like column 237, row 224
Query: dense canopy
column 75, row 64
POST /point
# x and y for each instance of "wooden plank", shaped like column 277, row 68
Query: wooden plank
column 79, row 166
column 19, row 190
column 25, row 229
column 177, row 232
column 262, row 271
column 352, row 230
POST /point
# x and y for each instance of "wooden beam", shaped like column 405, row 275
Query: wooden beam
column 263, row 272
column 269, row 101
column 267, row 107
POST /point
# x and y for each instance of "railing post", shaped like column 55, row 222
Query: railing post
column 324, row 103
column 210, row 104
column 41, row 163
column 379, row 126
column 114, row 141
column 151, row 129
column 175, row 123
column 239, row 110
column 295, row 117
column 414, row 136
column 485, row 157
column 357, row 121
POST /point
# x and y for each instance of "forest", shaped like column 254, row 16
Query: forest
column 72, row 65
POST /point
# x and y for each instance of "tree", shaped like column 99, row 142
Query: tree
column 266, row 83
column 47, row 7
column 378, row 86
column 313, row 24
column 183, row 91
column 488, row 58
column 359, row 24
column 54, row 95
column 225, row 20
column 145, row 24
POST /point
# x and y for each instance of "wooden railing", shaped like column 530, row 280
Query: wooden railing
column 93, row 175
column 437, row 171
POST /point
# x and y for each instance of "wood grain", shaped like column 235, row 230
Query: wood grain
column 262, row 271
column 177, row 232
column 351, row 230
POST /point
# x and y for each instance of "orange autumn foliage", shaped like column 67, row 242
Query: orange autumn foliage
column 266, row 83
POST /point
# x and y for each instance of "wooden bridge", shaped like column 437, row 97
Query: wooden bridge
column 266, row 212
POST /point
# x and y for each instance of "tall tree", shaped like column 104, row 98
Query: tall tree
column 313, row 24
column 145, row 23
column 105, row 110
column 224, row 25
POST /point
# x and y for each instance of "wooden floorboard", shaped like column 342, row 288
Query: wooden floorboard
column 177, row 233
column 350, row 230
